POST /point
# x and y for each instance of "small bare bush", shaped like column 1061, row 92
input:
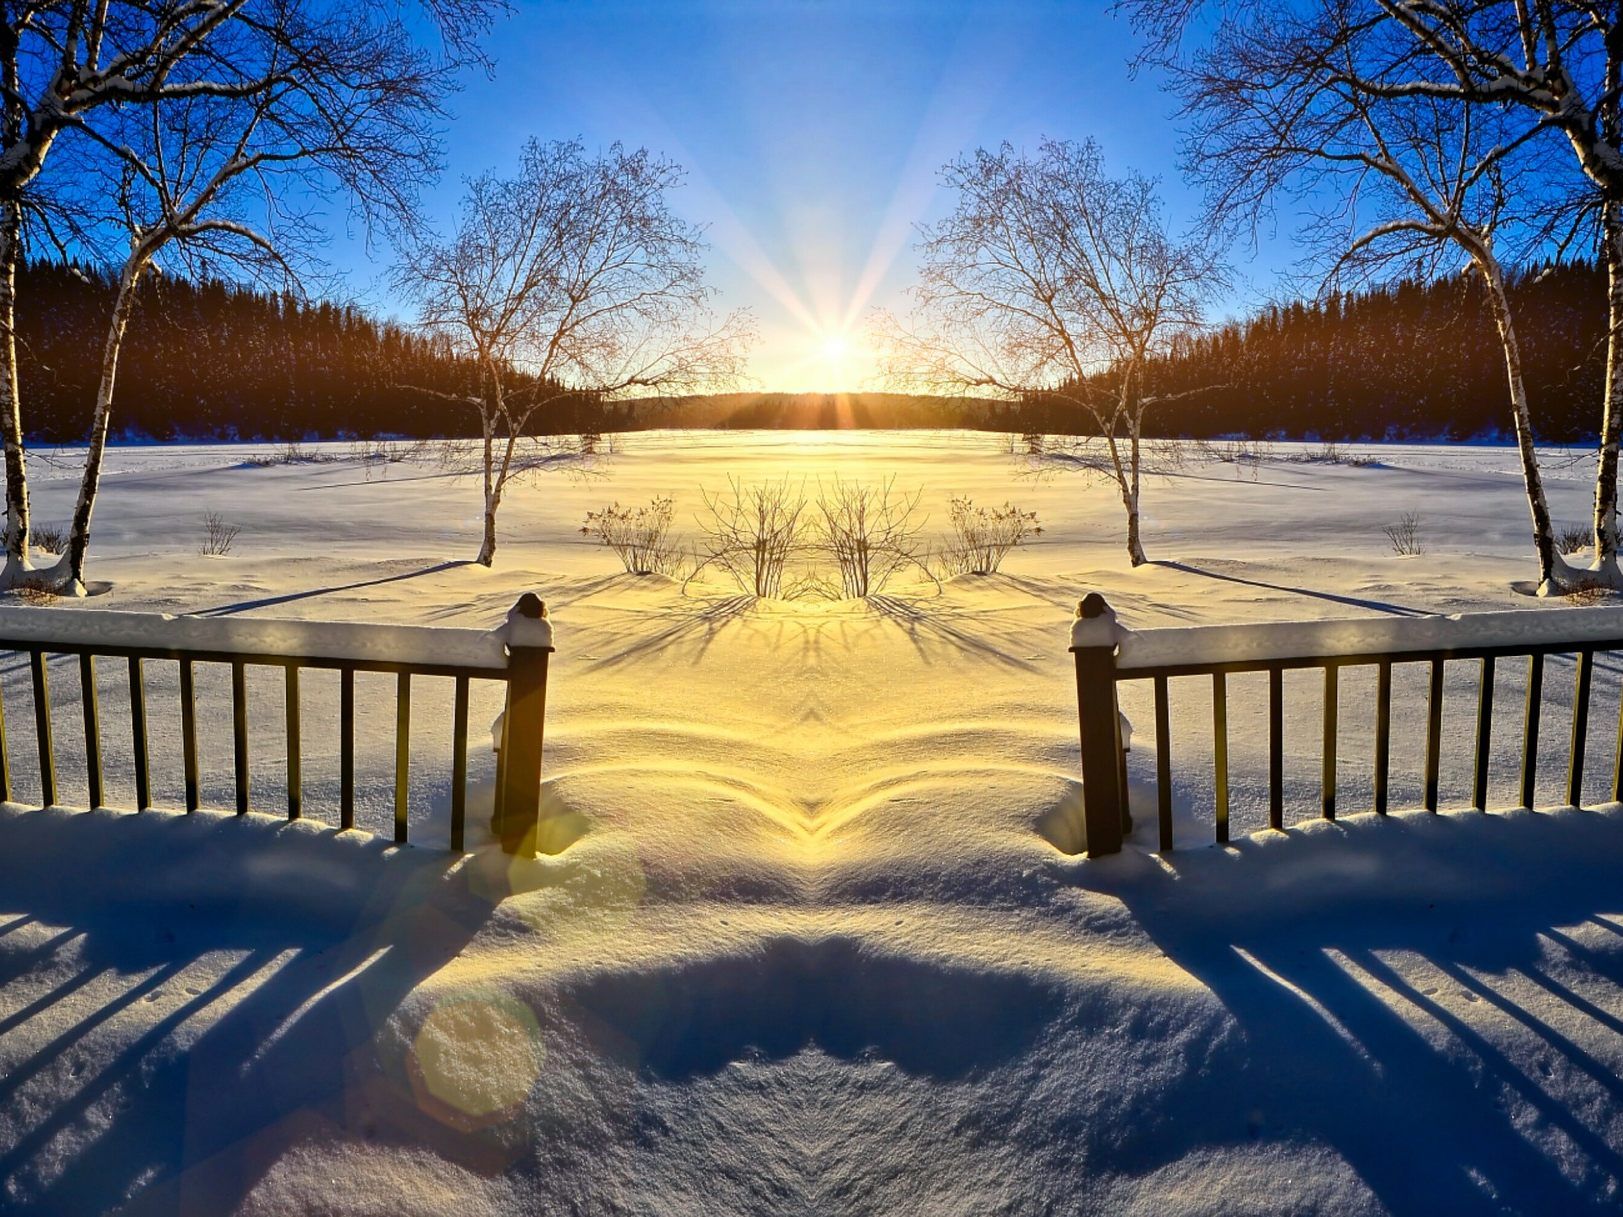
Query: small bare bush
column 49, row 538
column 293, row 454
column 1405, row 535
column 983, row 536
column 1331, row 453
column 639, row 536
column 218, row 536
column 751, row 532
column 870, row 533
column 1573, row 538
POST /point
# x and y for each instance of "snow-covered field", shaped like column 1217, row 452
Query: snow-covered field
column 805, row 942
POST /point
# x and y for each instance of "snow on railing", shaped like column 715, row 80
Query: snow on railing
column 515, row 654
column 1108, row 653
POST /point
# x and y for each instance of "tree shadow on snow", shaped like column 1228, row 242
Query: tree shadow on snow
column 211, row 987
column 244, row 606
column 928, row 626
column 1380, row 606
column 1397, row 985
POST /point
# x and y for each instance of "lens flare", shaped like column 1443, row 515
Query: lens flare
column 476, row 1058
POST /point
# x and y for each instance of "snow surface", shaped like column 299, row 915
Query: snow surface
column 806, row 937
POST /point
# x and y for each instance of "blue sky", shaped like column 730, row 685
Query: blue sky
column 811, row 130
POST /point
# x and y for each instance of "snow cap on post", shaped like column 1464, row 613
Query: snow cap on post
column 527, row 624
column 1095, row 624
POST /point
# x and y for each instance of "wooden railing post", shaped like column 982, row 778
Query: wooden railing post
column 528, row 634
column 1104, row 787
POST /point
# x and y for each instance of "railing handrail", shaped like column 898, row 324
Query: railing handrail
column 1196, row 648
column 1108, row 654
column 255, row 639
column 514, row 654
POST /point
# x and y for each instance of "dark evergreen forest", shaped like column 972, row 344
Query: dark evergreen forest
column 1410, row 361
column 211, row 360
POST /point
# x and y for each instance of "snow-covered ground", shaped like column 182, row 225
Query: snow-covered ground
column 804, row 942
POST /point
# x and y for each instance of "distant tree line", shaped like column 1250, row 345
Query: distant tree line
column 1405, row 361
column 212, row 360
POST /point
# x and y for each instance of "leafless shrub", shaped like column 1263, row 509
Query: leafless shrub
column 1405, row 535
column 1331, row 453
column 983, row 536
column 751, row 532
column 293, row 454
column 218, row 536
column 1574, row 538
column 640, row 536
column 869, row 532
column 49, row 538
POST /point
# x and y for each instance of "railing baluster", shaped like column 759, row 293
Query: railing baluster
column 1484, row 735
column 402, row 754
column 459, row 764
column 346, row 749
column 239, row 732
column 1580, row 728
column 1220, row 752
column 188, row 733
column 90, row 704
column 1535, row 697
column 1163, row 761
column 1332, row 697
column 1276, row 748
column 1434, row 733
column 5, row 757
column 138, row 734
column 295, row 781
column 1383, row 732
column 42, row 729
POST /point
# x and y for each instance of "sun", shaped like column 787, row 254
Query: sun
column 837, row 357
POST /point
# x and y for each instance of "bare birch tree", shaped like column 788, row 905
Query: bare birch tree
column 1052, row 279
column 70, row 70
column 573, row 277
column 1557, row 63
column 1295, row 103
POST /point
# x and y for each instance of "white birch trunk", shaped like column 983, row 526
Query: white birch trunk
column 493, row 494
column 1135, row 543
column 1605, row 564
column 69, row 574
column 18, row 563
column 1553, row 573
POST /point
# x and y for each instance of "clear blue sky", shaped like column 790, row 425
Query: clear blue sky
column 811, row 130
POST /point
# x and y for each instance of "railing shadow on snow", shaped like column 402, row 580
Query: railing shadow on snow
column 1348, row 955
column 262, row 957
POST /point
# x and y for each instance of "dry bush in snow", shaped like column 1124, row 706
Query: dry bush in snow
column 218, row 536
column 869, row 532
column 639, row 536
column 293, row 454
column 751, row 532
column 1574, row 538
column 49, row 538
column 983, row 536
column 1405, row 535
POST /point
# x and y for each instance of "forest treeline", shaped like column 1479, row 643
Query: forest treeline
column 212, row 360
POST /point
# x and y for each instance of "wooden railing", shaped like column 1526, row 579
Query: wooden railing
column 1108, row 655
column 515, row 654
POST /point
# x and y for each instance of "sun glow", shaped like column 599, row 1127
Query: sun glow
column 834, row 361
